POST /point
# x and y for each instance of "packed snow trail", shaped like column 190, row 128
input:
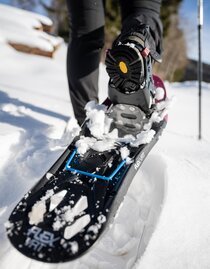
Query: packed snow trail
column 182, row 237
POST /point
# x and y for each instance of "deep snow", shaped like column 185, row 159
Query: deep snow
column 34, row 129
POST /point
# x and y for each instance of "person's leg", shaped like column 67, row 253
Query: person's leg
column 143, row 12
column 129, row 61
column 86, row 41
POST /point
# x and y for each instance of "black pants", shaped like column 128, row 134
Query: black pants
column 87, row 39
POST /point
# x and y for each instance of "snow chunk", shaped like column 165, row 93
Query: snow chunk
column 144, row 137
column 92, row 231
column 158, row 115
column 49, row 175
column 74, row 247
column 76, row 227
column 101, row 219
column 159, row 93
column 166, row 104
column 98, row 123
column 84, row 143
column 124, row 152
column 39, row 209
column 103, row 145
column 8, row 225
column 69, row 213
column 48, row 194
column 56, row 199
column 113, row 134
column 80, row 206
column 37, row 213
column 72, row 127
column 58, row 224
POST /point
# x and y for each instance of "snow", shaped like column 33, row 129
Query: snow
column 12, row 11
column 20, row 27
column 124, row 151
column 159, row 93
column 105, row 139
column 56, row 199
column 76, row 227
column 78, row 208
column 39, row 209
column 68, row 214
column 143, row 138
column 34, row 129
column 97, row 121
column 37, row 214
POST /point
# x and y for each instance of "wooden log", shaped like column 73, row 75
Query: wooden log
column 31, row 50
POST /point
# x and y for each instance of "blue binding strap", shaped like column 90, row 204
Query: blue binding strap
column 72, row 169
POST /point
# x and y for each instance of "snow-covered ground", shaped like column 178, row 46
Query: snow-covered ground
column 24, row 28
column 34, row 111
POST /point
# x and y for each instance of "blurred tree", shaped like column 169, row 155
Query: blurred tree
column 174, row 56
column 169, row 7
column 174, row 45
column 25, row 4
column 112, row 18
column 57, row 11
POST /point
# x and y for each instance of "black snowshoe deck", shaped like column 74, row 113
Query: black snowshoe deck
column 64, row 214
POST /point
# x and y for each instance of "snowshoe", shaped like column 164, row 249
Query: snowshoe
column 66, row 212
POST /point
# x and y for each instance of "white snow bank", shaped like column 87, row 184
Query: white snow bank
column 30, row 18
column 19, row 27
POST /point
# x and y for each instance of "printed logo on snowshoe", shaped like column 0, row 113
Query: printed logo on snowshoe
column 37, row 239
column 139, row 161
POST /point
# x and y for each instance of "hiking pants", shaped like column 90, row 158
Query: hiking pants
column 87, row 39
